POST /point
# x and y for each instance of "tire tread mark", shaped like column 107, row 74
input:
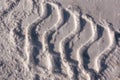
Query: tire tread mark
column 30, row 30
column 47, row 36
column 86, row 45
column 65, row 61
column 105, row 53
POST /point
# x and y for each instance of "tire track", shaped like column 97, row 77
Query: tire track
column 33, row 45
column 102, row 56
column 30, row 40
column 59, row 23
column 47, row 36
column 82, row 49
column 65, row 60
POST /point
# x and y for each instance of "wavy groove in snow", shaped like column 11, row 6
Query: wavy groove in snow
column 86, row 45
column 108, row 49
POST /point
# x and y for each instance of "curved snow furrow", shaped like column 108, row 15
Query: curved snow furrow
column 29, row 44
column 59, row 23
column 85, row 46
column 66, row 63
column 112, row 43
column 47, row 36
